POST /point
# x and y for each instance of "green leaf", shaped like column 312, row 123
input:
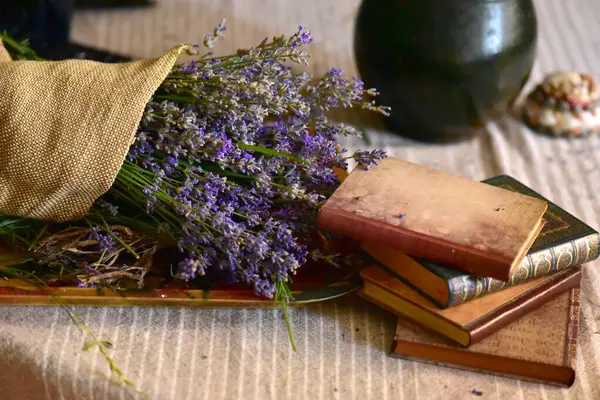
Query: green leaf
column 9, row 225
column 88, row 345
column 224, row 172
column 177, row 98
column 273, row 153
column 17, row 49
column 106, row 344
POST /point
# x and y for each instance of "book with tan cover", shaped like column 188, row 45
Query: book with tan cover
column 443, row 218
column 539, row 347
column 468, row 323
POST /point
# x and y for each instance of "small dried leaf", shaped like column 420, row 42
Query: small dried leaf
column 88, row 345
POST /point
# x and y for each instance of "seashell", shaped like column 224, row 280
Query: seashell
column 565, row 103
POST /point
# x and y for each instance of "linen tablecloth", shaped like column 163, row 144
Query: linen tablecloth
column 342, row 345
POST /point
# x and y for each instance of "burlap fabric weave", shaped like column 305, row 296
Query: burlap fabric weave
column 65, row 129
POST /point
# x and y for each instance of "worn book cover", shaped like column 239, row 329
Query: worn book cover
column 428, row 213
column 539, row 347
column 468, row 323
column 565, row 241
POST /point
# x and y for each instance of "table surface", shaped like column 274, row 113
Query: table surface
column 342, row 345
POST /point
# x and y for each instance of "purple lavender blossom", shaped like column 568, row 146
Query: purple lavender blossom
column 234, row 156
column 218, row 32
column 109, row 208
column 368, row 158
column 105, row 242
column 304, row 35
column 91, row 270
column 82, row 284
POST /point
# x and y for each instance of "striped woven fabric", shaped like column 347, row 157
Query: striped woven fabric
column 342, row 345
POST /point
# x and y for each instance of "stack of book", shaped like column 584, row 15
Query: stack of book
column 484, row 276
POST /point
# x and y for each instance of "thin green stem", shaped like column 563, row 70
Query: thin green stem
column 37, row 237
column 21, row 239
column 75, row 317
column 283, row 295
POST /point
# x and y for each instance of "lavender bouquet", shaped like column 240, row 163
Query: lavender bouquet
column 231, row 161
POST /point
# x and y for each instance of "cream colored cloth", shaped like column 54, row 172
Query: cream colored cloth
column 65, row 129
column 187, row 354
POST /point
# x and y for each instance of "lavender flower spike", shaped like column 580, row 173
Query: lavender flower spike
column 234, row 156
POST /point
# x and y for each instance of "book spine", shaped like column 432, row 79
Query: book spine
column 572, row 329
column 529, row 301
column 471, row 260
column 534, row 265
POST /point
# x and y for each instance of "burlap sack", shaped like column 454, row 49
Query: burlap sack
column 65, row 129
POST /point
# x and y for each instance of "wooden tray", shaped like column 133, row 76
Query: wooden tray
column 17, row 292
column 313, row 283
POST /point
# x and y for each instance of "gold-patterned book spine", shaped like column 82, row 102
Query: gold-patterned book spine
column 565, row 241
column 534, row 265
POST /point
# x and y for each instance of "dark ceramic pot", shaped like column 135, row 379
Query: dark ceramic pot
column 445, row 67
